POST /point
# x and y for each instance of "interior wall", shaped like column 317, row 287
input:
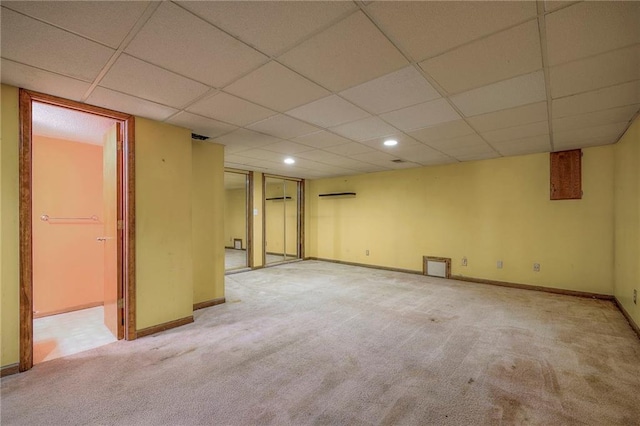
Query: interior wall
column 68, row 261
column 627, row 220
column 208, row 221
column 9, row 230
column 485, row 211
column 235, row 216
column 164, row 261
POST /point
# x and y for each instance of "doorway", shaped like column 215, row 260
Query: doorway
column 283, row 202
column 76, row 227
column 237, row 226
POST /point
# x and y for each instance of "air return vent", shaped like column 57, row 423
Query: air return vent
column 436, row 266
column 199, row 137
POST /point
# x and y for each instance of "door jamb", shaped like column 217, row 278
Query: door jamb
column 126, row 213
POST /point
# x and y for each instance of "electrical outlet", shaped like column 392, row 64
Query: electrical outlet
column 499, row 264
column 635, row 296
column 367, row 252
column 536, row 267
column 464, row 261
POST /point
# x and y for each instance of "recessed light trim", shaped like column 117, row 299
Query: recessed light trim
column 390, row 142
column 289, row 160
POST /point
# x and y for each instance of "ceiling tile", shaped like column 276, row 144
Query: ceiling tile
column 230, row 109
column 448, row 130
column 421, row 115
column 364, row 129
column 510, row 117
column 321, row 156
column 550, row 5
column 517, row 132
column 476, row 155
column 524, row 146
column 246, row 138
column 348, row 53
column 276, row 87
column 607, row 133
column 591, row 27
column 329, row 111
column 272, row 27
column 288, row 147
column 446, row 145
column 375, row 157
column 177, row 40
column 107, row 22
column 201, row 125
column 27, row 77
column 124, row 103
column 283, row 126
column 510, row 93
column 619, row 66
column 402, row 139
column 321, row 139
column 349, row 149
column 262, row 154
column 509, row 53
column 393, row 91
column 421, row 154
column 585, row 143
column 596, row 100
column 607, row 116
column 426, row 28
column 135, row 77
column 34, row 43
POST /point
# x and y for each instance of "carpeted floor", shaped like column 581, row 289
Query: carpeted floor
column 319, row 343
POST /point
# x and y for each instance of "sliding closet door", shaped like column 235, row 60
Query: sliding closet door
column 274, row 211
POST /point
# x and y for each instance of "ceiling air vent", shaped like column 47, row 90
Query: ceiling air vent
column 398, row 160
column 199, row 137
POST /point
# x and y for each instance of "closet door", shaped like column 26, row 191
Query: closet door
column 275, row 228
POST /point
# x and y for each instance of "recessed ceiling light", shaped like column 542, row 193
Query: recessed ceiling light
column 390, row 142
column 289, row 160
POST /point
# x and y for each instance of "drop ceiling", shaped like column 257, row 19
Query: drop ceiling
column 327, row 82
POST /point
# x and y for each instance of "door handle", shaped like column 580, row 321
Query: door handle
column 104, row 238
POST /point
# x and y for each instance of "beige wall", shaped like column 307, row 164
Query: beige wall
column 208, row 221
column 164, row 261
column 627, row 220
column 9, row 237
column 235, row 216
column 485, row 211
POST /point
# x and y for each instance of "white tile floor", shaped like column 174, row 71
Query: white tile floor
column 65, row 334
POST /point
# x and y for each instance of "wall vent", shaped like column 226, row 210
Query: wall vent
column 436, row 266
column 199, row 137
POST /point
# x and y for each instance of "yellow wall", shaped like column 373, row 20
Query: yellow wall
column 627, row 220
column 164, row 262
column 258, row 250
column 235, row 216
column 9, row 237
column 208, row 221
column 485, row 211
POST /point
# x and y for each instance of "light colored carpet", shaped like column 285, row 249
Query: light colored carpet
column 319, row 343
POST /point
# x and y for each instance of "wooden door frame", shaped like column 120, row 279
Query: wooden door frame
column 126, row 213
